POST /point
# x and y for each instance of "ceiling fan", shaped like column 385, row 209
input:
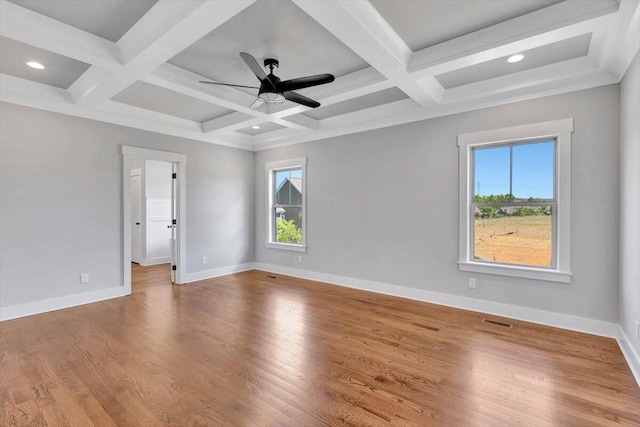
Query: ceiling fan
column 272, row 90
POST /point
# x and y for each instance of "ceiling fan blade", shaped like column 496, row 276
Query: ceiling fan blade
column 257, row 69
column 228, row 84
column 258, row 102
column 302, row 82
column 300, row 99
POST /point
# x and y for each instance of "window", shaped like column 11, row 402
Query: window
column 515, row 201
column 287, row 197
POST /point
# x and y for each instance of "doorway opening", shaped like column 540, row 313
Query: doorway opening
column 153, row 216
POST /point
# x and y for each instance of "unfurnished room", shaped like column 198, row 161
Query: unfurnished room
column 320, row 213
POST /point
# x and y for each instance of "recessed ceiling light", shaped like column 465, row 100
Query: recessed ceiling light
column 36, row 65
column 255, row 127
column 515, row 58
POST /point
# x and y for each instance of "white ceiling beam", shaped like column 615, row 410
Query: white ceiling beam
column 345, row 87
column 12, row 87
column 26, row 26
column 132, row 112
column 19, row 91
column 84, row 83
column 358, row 25
column 358, row 121
column 230, row 122
column 332, row 125
column 535, row 77
column 551, row 24
column 299, row 122
column 169, row 29
column 624, row 39
column 235, row 121
column 276, row 135
column 158, row 122
column 373, row 114
column 179, row 80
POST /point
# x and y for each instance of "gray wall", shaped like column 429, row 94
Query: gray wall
column 61, row 203
column 630, row 202
column 383, row 205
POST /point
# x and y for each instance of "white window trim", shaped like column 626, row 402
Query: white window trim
column 561, row 130
column 270, row 168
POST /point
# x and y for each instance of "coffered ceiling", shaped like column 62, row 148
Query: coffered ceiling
column 139, row 63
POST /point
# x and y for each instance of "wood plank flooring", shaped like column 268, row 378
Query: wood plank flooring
column 144, row 277
column 250, row 349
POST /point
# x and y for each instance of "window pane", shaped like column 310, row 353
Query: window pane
column 288, row 224
column 533, row 171
column 513, row 235
column 288, row 187
column 491, row 171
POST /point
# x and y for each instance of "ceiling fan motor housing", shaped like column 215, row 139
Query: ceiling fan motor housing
column 271, row 63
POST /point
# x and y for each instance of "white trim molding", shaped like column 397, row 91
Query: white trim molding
column 52, row 304
column 146, row 262
column 560, row 131
column 542, row 317
column 630, row 354
column 217, row 272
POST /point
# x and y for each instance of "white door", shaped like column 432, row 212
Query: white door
column 136, row 215
column 174, row 221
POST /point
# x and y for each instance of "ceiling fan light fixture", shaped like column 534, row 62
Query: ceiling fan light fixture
column 515, row 58
column 271, row 97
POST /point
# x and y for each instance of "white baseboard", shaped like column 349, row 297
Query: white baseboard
column 37, row 307
column 630, row 354
column 558, row 320
column 216, row 272
column 155, row 261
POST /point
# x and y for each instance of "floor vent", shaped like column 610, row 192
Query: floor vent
column 431, row 328
column 272, row 277
column 495, row 322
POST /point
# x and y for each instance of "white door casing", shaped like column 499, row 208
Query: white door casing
column 136, row 215
column 180, row 161
column 173, row 226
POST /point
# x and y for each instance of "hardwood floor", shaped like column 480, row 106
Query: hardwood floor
column 154, row 275
column 250, row 349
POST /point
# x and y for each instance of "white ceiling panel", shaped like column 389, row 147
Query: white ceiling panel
column 574, row 47
column 264, row 128
column 109, row 19
column 426, row 23
column 60, row 72
column 150, row 97
column 268, row 29
column 367, row 101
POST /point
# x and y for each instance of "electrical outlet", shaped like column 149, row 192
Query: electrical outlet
column 299, row 258
column 472, row 283
column 84, row 278
column 204, row 259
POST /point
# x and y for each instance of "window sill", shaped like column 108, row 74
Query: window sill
column 515, row 271
column 286, row 246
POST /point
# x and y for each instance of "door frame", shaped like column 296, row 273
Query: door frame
column 129, row 153
column 138, row 172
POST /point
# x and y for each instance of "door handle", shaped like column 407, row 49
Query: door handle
column 170, row 226
column 137, row 223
